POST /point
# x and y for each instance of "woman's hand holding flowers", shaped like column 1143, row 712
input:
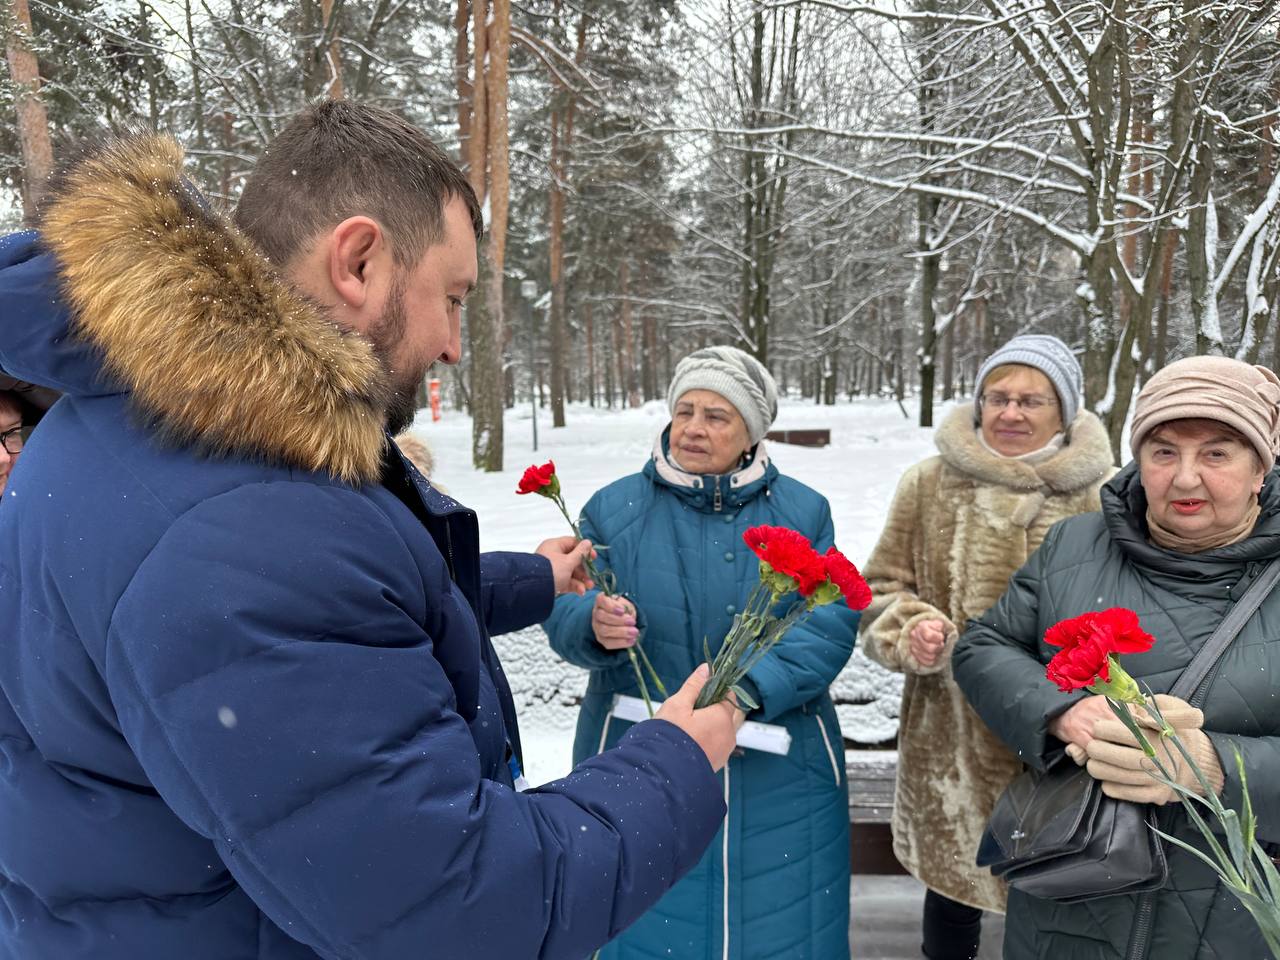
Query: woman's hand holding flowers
column 1116, row 759
column 613, row 620
column 1074, row 727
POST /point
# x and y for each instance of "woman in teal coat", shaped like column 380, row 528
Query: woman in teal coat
column 775, row 883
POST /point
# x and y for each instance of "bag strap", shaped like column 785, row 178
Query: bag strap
column 1244, row 608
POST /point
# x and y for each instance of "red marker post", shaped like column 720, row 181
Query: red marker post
column 433, row 390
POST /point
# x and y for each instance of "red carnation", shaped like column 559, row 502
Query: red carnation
column 1088, row 642
column 845, row 575
column 790, row 554
column 537, row 479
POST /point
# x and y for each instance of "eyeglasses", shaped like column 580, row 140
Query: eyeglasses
column 998, row 401
column 14, row 440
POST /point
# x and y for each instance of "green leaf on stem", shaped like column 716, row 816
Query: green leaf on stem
column 1248, row 822
column 1267, row 867
column 1121, row 709
column 744, row 699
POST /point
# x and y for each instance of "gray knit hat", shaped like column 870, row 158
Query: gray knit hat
column 1051, row 357
column 738, row 377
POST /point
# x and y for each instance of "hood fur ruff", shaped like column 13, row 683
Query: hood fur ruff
column 214, row 345
column 1082, row 462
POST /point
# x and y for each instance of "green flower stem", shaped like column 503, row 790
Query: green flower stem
column 608, row 586
column 644, row 690
column 754, row 633
column 1243, row 866
column 653, row 674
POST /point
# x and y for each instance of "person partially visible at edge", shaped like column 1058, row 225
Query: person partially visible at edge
column 1024, row 456
column 775, row 883
column 21, row 407
column 250, row 706
column 1184, row 529
column 13, row 435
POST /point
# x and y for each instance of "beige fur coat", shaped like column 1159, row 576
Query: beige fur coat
column 960, row 525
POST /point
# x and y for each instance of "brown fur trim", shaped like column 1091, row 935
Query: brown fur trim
column 1083, row 462
column 213, row 344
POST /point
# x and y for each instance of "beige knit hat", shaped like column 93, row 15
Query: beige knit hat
column 1213, row 388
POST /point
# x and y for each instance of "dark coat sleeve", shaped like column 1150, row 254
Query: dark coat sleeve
column 805, row 662
column 275, row 677
column 517, row 591
column 997, row 664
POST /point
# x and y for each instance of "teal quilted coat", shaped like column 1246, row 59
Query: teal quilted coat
column 775, row 882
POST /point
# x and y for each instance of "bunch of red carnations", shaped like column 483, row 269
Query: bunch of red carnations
column 788, row 565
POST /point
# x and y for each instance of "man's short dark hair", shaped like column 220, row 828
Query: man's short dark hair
column 339, row 159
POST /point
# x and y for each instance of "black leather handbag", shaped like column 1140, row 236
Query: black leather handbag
column 1054, row 834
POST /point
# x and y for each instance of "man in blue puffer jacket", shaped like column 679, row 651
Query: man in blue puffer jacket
column 249, row 709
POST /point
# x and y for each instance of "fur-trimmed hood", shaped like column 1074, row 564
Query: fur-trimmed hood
column 183, row 313
column 1083, row 461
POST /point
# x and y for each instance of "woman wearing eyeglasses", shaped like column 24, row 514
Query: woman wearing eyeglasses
column 12, row 435
column 1022, row 458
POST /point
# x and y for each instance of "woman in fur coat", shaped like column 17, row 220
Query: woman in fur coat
column 1025, row 456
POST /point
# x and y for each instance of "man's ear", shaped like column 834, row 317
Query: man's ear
column 354, row 245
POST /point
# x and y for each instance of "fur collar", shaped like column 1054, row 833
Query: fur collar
column 214, row 346
column 1085, row 460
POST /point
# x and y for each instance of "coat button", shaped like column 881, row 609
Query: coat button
column 731, row 609
column 728, row 519
column 728, row 555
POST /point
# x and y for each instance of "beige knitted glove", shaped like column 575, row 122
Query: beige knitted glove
column 1126, row 772
column 1177, row 713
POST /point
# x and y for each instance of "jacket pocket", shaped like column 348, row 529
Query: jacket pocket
column 826, row 742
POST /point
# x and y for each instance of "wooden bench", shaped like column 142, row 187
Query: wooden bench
column 872, row 774
column 801, row 438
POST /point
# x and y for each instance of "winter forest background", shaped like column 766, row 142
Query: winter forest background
column 868, row 196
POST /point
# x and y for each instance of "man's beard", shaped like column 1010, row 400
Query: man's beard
column 405, row 377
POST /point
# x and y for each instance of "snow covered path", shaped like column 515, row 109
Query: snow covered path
column 871, row 444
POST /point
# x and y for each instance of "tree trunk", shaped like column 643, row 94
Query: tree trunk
column 1202, row 239
column 488, row 166
column 462, row 79
column 149, row 65
column 926, row 213
column 228, row 140
column 626, row 358
column 33, row 122
column 331, row 54
column 478, row 145
column 949, row 359
column 588, row 320
column 197, row 95
column 562, row 117
column 649, row 356
column 555, row 256
column 613, row 366
column 1161, row 346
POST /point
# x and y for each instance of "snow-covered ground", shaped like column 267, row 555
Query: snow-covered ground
column 871, row 444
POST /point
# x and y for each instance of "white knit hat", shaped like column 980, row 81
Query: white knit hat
column 738, row 377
